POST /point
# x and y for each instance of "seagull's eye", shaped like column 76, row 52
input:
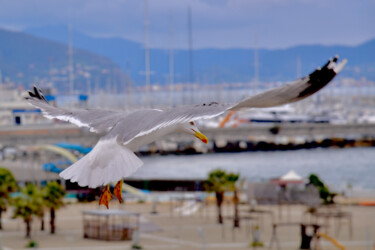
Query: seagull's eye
column 191, row 123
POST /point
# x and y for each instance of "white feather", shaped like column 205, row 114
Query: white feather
column 107, row 162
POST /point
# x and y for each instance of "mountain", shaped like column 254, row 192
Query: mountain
column 26, row 59
column 218, row 65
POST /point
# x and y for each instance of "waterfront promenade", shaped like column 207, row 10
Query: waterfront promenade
column 168, row 229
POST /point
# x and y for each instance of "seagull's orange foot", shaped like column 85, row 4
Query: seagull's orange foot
column 105, row 197
column 118, row 190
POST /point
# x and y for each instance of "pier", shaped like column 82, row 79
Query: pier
column 55, row 133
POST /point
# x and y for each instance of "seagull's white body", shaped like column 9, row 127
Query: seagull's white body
column 113, row 156
column 135, row 144
column 111, row 160
column 152, row 136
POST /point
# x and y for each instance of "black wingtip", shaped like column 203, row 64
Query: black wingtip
column 321, row 77
column 36, row 93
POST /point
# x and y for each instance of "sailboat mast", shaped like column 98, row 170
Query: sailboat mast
column 191, row 64
column 256, row 62
column 147, row 55
column 171, row 59
column 70, row 53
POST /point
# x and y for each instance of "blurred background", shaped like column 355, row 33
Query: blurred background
column 128, row 55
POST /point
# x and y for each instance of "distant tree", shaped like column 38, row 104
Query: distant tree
column 315, row 180
column 324, row 193
column 8, row 185
column 53, row 199
column 28, row 204
column 232, row 186
column 41, row 217
column 219, row 181
column 216, row 183
column 41, row 211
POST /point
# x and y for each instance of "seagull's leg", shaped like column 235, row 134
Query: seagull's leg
column 118, row 190
column 105, row 197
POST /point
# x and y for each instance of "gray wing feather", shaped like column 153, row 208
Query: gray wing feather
column 296, row 90
column 98, row 120
column 152, row 120
column 146, row 121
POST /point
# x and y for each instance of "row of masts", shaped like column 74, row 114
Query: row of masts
column 148, row 71
column 171, row 51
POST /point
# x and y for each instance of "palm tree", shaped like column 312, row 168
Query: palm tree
column 29, row 203
column 41, row 211
column 325, row 194
column 219, row 181
column 53, row 198
column 7, row 185
column 231, row 186
column 216, row 182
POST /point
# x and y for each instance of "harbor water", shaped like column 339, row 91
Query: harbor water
column 339, row 168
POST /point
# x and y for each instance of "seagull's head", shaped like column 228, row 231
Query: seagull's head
column 191, row 129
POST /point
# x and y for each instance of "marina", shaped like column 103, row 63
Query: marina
column 187, row 125
column 276, row 133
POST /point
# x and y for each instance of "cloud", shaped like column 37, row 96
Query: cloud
column 216, row 23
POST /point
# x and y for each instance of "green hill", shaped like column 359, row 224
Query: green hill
column 220, row 65
column 25, row 59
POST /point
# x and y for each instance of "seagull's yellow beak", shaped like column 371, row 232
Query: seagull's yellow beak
column 201, row 137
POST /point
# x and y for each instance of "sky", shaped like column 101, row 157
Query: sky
column 271, row 24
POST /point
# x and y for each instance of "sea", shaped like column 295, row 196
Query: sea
column 341, row 169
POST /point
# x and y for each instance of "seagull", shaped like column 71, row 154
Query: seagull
column 113, row 157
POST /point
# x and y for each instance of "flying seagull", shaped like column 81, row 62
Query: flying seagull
column 113, row 158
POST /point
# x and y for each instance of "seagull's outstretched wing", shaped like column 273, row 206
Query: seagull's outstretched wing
column 296, row 90
column 97, row 120
column 288, row 93
column 150, row 120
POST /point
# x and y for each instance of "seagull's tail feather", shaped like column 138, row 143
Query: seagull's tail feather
column 107, row 162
